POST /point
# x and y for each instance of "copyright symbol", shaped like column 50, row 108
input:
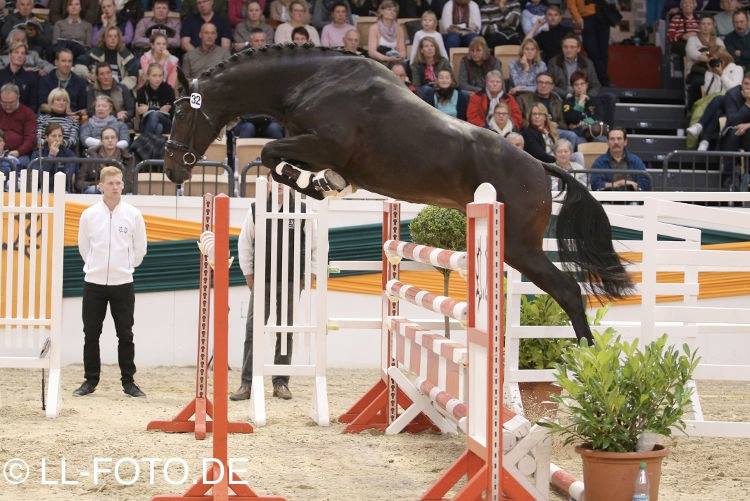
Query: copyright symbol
column 16, row 471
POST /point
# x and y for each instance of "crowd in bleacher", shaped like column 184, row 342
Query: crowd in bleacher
column 93, row 78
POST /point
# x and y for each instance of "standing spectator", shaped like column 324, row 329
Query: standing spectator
column 64, row 78
column 298, row 19
column 59, row 113
column 523, row 71
column 15, row 73
column 571, row 60
column 54, row 147
column 34, row 62
column 333, row 33
column 193, row 24
column 500, row 20
column 595, row 34
column 682, row 26
column 617, row 157
column 322, row 13
column 738, row 41
column 206, row 55
column 122, row 99
column 501, row 122
column 563, row 152
column 112, row 243
column 583, row 113
column 103, row 117
column 284, row 291
column 541, row 134
column 159, row 22
column 533, row 14
column 24, row 14
column 482, row 103
column 446, row 96
column 161, row 56
column 387, row 39
column 351, row 43
column 460, row 23
column 18, row 123
column 154, row 102
column 724, row 23
column 549, row 40
column 429, row 28
column 427, row 64
column 58, row 10
column 72, row 32
column 254, row 21
column 111, row 50
column 551, row 101
column 476, row 65
column 110, row 18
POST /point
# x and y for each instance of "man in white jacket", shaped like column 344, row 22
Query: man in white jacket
column 112, row 243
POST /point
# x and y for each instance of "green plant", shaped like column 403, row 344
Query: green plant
column 613, row 391
column 443, row 228
column 541, row 353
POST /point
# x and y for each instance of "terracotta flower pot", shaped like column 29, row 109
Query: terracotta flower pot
column 610, row 476
column 536, row 395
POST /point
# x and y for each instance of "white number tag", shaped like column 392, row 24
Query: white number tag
column 196, row 100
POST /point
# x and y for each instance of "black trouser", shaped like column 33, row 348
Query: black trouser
column 710, row 119
column 596, row 44
column 278, row 358
column 121, row 299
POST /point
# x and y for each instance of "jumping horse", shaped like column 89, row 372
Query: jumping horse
column 349, row 114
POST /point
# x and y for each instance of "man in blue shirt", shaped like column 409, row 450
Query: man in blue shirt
column 618, row 158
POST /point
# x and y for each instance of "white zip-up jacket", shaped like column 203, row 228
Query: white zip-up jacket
column 112, row 243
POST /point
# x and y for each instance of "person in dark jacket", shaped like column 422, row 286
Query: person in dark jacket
column 584, row 114
column 446, row 96
column 154, row 102
column 63, row 77
column 549, row 40
column 88, row 175
column 731, row 105
column 15, row 73
column 562, row 67
column 427, row 64
column 53, row 148
column 617, row 157
column 541, row 134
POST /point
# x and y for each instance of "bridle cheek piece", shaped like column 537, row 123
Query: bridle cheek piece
column 190, row 157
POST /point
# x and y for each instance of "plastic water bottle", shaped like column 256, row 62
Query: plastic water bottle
column 641, row 488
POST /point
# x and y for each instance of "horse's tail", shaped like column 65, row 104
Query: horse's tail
column 584, row 238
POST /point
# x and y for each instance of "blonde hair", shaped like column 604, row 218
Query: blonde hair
column 154, row 66
column 551, row 126
column 429, row 13
column 57, row 92
column 530, row 41
column 103, row 37
column 109, row 171
column 387, row 4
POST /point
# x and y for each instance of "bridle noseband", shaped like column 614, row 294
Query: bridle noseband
column 189, row 157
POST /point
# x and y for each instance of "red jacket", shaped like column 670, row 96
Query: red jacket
column 20, row 129
column 479, row 104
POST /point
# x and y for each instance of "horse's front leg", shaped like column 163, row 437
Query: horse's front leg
column 295, row 162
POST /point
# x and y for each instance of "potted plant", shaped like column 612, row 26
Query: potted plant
column 613, row 393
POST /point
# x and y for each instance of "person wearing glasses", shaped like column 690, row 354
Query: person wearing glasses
column 544, row 94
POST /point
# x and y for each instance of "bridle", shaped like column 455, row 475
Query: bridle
column 189, row 156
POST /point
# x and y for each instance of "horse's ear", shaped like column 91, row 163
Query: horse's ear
column 183, row 81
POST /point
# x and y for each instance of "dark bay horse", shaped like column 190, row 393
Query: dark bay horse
column 351, row 115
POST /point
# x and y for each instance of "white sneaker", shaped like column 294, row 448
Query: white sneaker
column 703, row 145
column 695, row 129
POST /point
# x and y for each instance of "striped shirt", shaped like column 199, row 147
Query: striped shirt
column 68, row 124
column 500, row 19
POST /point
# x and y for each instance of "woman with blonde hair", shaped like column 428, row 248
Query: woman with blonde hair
column 387, row 39
column 541, row 134
column 474, row 67
column 60, row 113
column 427, row 63
column 524, row 70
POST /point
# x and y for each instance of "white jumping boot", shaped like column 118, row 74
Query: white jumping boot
column 300, row 177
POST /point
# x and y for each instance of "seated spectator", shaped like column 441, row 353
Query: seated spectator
column 190, row 7
column 724, row 24
column 102, row 118
column 533, row 14
column 563, row 66
column 123, row 104
column 549, row 39
column 696, row 47
column 254, row 21
column 482, row 103
column 401, row 70
column 279, row 11
column 15, row 73
column 731, row 104
column 563, row 152
column 8, row 162
column 18, row 123
column 53, row 147
column 300, row 36
column 154, row 102
column 516, row 140
column 59, row 113
column 460, row 23
column 588, row 116
column 72, row 32
column 88, row 174
column 258, row 126
column 58, row 9
column 110, row 18
column 500, row 121
column 523, row 71
column 63, row 77
column 111, row 50
column 737, row 110
column 351, row 43
column 24, row 16
column 682, row 26
column 298, row 19
column 500, row 20
column 161, row 56
column 446, row 96
column 322, row 14
column 159, row 22
column 738, row 41
column 541, row 134
column 617, row 157
column 429, row 28
column 476, row 65
column 722, row 73
column 192, row 26
column 386, row 41
column 257, row 39
column 427, row 64
column 552, row 102
column 34, row 62
column 333, row 33
column 206, row 55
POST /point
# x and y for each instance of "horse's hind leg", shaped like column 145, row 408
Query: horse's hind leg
column 558, row 284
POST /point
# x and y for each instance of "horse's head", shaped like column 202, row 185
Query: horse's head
column 192, row 131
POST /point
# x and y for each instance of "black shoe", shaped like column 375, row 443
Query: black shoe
column 132, row 390
column 85, row 388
